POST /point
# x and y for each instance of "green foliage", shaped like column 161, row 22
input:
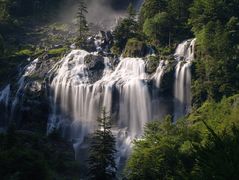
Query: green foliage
column 4, row 15
column 57, row 51
column 102, row 151
column 165, row 22
column 125, row 30
column 131, row 12
column 152, row 64
column 163, row 153
column 216, row 26
column 202, row 146
column 134, row 48
column 82, row 23
column 11, row 9
column 26, row 52
column 159, row 28
column 220, row 152
column 26, row 155
column 23, row 164
column 152, row 7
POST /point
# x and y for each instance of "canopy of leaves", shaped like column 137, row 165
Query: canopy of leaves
column 203, row 146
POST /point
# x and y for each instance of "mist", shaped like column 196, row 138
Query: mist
column 102, row 13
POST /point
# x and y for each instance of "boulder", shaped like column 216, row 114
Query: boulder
column 135, row 48
column 94, row 62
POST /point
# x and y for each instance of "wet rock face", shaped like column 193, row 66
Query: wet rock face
column 101, row 42
column 43, row 66
column 95, row 65
column 28, row 104
column 152, row 64
column 94, row 62
column 35, row 87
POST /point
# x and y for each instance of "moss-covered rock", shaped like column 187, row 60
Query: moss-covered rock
column 25, row 52
column 57, row 51
column 94, row 62
column 152, row 64
column 135, row 48
column 115, row 50
column 167, row 84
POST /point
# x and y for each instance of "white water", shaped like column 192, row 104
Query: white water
column 124, row 92
column 5, row 95
column 158, row 75
column 27, row 71
column 182, row 91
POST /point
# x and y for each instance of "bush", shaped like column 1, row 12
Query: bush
column 135, row 48
column 202, row 146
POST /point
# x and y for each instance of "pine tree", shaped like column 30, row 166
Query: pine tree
column 82, row 23
column 102, row 151
column 131, row 12
column 126, row 29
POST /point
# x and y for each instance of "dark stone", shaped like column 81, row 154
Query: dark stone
column 152, row 64
column 94, row 62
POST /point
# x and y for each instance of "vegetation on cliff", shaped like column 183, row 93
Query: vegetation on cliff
column 203, row 145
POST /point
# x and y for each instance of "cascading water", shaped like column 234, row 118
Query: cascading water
column 78, row 91
column 4, row 102
column 182, row 91
column 124, row 92
column 81, row 83
column 157, row 77
column 27, row 71
column 5, row 95
column 11, row 104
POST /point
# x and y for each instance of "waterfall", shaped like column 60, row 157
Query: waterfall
column 4, row 102
column 123, row 91
column 81, row 83
column 27, row 71
column 5, row 95
column 80, row 101
column 182, row 89
column 158, row 75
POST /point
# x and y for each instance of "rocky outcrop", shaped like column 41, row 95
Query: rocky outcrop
column 94, row 62
column 152, row 64
column 95, row 65
column 135, row 48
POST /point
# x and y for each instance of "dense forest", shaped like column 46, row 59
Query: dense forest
column 204, row 144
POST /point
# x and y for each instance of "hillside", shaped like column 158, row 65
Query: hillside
column 114, row 89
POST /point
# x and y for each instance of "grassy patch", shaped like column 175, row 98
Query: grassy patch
column 26, row 52
column 57, row 51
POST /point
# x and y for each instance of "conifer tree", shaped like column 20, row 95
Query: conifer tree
column 82, row 23
column 102, row 151
column 126, row 29
column 131, row 12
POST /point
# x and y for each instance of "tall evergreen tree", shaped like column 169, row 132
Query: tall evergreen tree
column 102, row 151
column 126, row 29
column 82, row 23
column 131, row 12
